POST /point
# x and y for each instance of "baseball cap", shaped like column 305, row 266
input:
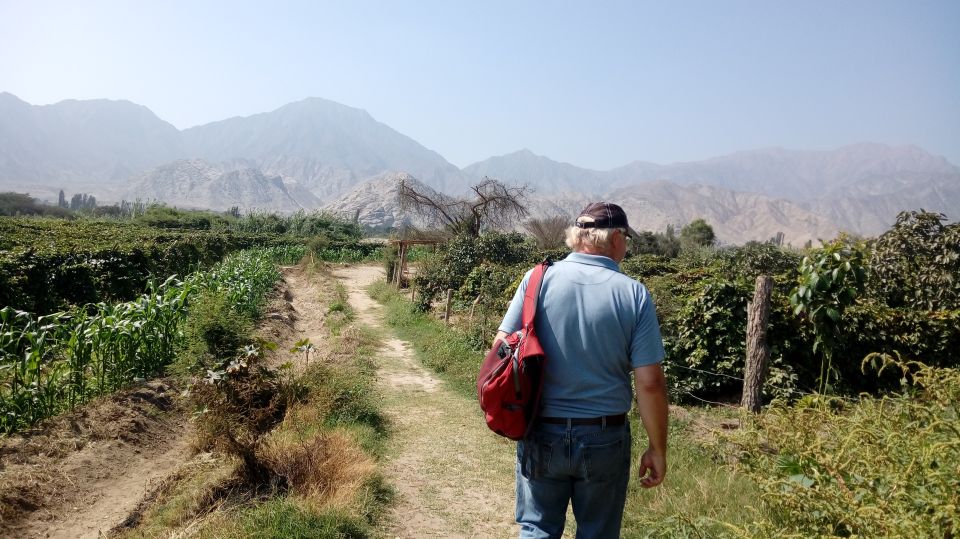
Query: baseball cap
column 603, row 215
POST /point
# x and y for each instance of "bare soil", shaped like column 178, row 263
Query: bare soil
column 453, row 477
column 81, row 474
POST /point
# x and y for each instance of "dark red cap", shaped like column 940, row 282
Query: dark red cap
column 603, row 215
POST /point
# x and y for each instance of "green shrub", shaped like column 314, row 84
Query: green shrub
column 887, row 467
column 214, row 330
column 451, row 266
column 916, row 263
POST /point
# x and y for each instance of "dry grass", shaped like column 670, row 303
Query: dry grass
column 326, row 470
column 200, row 487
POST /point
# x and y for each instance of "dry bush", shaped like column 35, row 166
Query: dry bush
column 325, row 470
column 549, row 232
column 239, row 405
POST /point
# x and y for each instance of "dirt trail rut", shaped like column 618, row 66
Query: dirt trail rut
column 453, row 477
column 88, row 470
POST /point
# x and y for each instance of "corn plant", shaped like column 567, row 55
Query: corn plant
column 55, row 362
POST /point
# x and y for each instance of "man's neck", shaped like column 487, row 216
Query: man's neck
column 596, row 252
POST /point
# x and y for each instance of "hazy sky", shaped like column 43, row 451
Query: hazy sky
column 596, row 84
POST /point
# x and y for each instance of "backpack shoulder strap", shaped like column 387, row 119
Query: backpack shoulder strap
column 532, row 294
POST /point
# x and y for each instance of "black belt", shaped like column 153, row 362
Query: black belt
column 613, row 420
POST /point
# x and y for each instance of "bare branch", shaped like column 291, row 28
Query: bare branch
column 494, row 205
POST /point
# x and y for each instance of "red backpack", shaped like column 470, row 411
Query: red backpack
column 510, row 378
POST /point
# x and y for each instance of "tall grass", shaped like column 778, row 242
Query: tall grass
column 441, row 349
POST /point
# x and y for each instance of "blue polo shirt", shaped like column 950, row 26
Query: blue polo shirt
column 596, row 325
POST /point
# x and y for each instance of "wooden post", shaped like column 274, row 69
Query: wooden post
column 446, row 314
column 474, row 308
column 413, row 294
column 403, row 264
column 758, row 350
column 397, row 266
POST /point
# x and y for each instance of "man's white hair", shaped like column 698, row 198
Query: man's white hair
column 600, row 239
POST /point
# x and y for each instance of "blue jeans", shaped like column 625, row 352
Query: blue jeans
column 587, row 465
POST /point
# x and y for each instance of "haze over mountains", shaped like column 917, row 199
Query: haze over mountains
column 317, row 153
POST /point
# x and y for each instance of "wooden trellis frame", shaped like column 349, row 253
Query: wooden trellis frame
column 400, row 270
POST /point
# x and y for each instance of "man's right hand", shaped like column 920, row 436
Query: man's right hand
column 653, row 468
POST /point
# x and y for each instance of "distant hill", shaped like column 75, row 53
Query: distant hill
column 97, row 145
column 542, row 174
column 194, row 183
column 88, row 143
column 316, row 152
column 326, row 146
column 861, row 187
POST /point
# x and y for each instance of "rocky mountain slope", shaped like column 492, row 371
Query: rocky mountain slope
column 374, row 203
column 323, row 145
column 861, row 187
column 194, row 183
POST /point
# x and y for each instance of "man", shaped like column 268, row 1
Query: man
column 596, row 326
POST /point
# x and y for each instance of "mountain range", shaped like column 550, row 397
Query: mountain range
column 316, row 153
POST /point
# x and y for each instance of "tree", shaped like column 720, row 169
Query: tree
column 667, row 243
column 549, row 232
column 645, row 243
column 831, row 278
column 697, row 233
column 493, row 205
column 916, row 263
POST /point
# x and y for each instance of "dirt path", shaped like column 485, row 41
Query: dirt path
column 88, row 470
column 453, row 477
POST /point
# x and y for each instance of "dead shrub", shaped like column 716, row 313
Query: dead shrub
column 239, row 403
column 549, row 232
column 325, row 470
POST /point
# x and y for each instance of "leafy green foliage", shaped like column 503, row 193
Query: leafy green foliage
column 23, row 204
column 697, row 233
column 830, row 280
column 706, row 345
column 48, row 265
column 754, row 259
column 161, row 216
column 870, row 327
column 451, row 266
column 214, row 330
column 916, row 264
column 300, row 224
column 867, row 468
